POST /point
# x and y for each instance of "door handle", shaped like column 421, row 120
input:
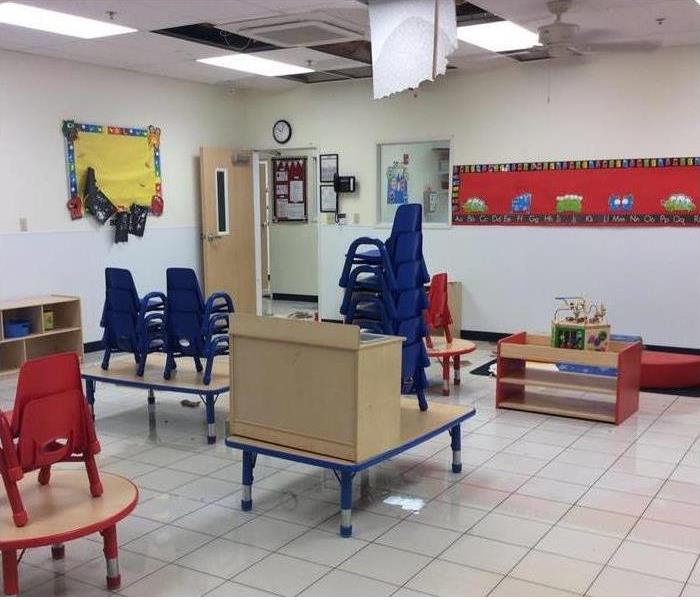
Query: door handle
column 211, row 237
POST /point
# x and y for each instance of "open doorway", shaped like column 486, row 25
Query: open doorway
column 287, row 198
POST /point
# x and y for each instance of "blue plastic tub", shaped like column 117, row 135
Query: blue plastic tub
column 15, row 328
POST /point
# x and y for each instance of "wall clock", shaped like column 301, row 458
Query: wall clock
column 282, row 131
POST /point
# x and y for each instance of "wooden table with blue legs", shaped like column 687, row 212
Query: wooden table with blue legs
column 61, row 512
column 185, row 380
column 417, row 427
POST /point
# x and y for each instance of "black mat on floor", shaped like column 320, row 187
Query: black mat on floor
column 691, row 392
column 483, row 369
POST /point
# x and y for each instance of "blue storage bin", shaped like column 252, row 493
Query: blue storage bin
column 15, row 328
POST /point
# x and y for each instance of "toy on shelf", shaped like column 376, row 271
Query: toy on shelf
column 194, row 327
column 50, row 423
column 384, row 292
column 132, row 324
column 580, row 325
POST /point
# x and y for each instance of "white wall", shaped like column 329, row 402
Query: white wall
column 57, row 255
column 294, row 258
column 605, row 107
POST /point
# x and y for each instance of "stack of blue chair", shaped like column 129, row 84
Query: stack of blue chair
column 131, row 324
column 384, row 292
column 195, row 328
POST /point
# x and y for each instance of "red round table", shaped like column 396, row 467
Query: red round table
column 449, row 353
column 62, row 511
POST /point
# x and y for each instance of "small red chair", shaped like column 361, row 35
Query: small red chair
column 438, row 314
column 50, row 423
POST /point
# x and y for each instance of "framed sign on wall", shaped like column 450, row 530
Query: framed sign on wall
column 289, row 189
column 329, row 199
column 329, row 167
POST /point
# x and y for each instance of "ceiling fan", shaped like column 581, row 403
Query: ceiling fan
column 561, row 39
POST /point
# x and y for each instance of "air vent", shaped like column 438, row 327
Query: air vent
column 300, row 33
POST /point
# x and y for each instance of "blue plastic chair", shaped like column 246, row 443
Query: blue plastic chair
column 195, row 328
column 371, row 309
column 131, row 324
column 414, row 359
column 384, row 292
column 382, row 259
column 400, row 245
column 368, row 278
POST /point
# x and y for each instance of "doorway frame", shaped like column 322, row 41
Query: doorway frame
column 314, row 218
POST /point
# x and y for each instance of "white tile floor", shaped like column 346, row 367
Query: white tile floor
column 544, row 506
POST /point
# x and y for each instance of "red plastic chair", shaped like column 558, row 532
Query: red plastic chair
column 438, row 314
column 50, row 423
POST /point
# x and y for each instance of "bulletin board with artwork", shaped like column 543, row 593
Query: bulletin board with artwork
column 635, row 192
column 114, row 173
column 289, row 189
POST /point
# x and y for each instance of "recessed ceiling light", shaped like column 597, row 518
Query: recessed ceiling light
column 250, row 63
column 52, row 21
column 500, row 36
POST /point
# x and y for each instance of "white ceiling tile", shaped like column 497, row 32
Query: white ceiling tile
column 138, row 48
column 268, row 84
column 147, row 15
column 194, row 71
column 320, row 61
column 297, row 6
column 609, row 20
column 19, row 38
column 357, row 16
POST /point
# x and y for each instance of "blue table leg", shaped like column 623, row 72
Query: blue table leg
column 90, row 393
column 151, row 410
column 210, row 401
column 346, row 503
column 247, row 494
column 456, row 435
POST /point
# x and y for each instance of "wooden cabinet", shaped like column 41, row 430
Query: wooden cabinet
column 608, row 391
column 65, row 334
column 318, row 387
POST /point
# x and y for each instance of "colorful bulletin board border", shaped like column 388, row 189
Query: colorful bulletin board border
column 612, row 192
column 120, row 169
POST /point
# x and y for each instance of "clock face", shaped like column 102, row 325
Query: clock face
column 282, row 131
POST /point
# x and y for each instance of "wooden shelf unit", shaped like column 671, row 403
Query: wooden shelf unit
column 610, row 399
column 66, row 335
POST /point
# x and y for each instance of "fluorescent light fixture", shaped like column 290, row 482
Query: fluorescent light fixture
column 499, row 36
column 52, row 21
column 250, row 63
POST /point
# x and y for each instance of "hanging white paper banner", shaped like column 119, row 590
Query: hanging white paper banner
column 407, row 46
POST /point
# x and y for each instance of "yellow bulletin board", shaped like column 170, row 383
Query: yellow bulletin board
column 126, row 161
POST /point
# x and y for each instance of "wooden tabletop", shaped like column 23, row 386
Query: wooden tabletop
column 122, row 370
column 64, row 509
column 456, row 347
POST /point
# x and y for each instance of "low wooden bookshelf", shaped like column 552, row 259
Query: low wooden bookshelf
column 65, row 336
column 524, row 381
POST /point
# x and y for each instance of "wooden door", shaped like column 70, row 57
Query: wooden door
column 228, row 228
